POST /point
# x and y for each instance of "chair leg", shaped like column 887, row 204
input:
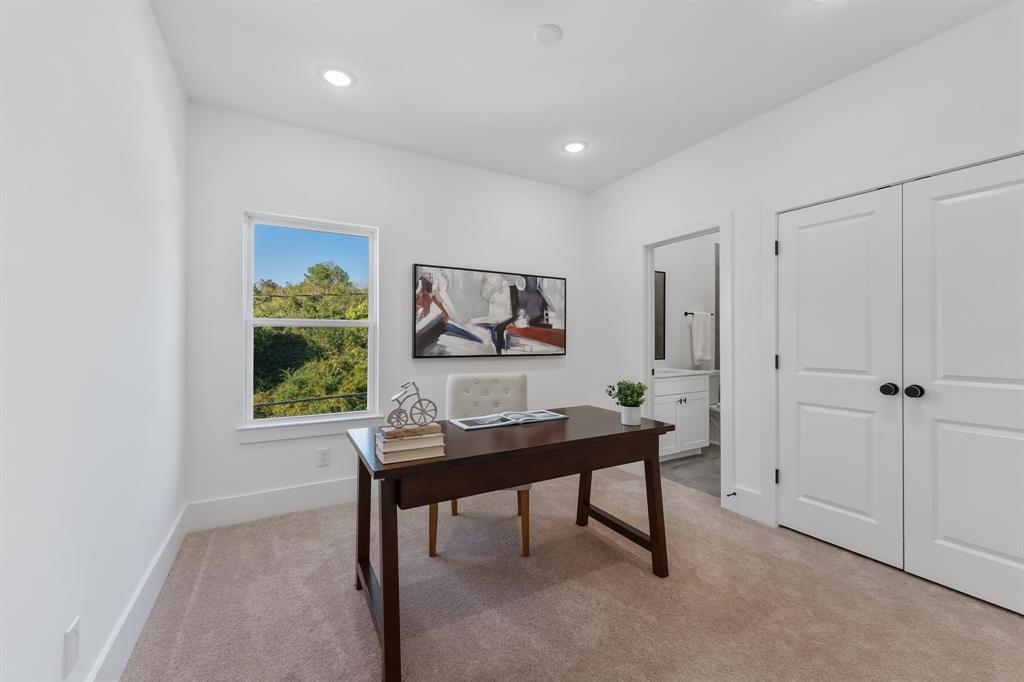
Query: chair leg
column 455, row 507
column 524, row 511
column 433, row 530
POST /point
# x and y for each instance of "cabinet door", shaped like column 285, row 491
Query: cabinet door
column 692, row 420
column 665, row 411
column 840, row 320
column 963, row 308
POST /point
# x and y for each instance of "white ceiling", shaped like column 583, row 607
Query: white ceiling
column 464, row 81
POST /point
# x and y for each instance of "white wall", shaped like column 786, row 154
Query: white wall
column 955, row 99
column 427, row 211
column 91, row 271
column 689, row 268
column 92, row 257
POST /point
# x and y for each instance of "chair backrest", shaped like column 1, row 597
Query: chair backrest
column 472, row 395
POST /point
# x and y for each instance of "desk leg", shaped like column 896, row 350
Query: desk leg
column 583, row 502
column 362, row 518
column 390, row 628
column 656, row 516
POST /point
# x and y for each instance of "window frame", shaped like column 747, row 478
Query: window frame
column 250, row 322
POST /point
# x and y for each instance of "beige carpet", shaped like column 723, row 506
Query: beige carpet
column 274, row 600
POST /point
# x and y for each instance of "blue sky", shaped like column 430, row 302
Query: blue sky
column 283, row 253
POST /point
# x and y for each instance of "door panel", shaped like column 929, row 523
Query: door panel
column 665, row 411
column 692, row 421
column 841, row 469
column 979, row 475
column 964, row 339
column 834, row 333
column 842, row 484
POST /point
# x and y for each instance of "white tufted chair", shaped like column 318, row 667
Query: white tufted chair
column 473, row 395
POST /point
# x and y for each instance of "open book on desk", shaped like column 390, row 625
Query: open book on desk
column 489, row 421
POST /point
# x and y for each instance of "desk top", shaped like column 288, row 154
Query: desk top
column 585, row 423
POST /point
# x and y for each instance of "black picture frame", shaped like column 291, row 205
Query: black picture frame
column 415, row 278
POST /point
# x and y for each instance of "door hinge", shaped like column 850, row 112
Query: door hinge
column 776, row 361
column 776, row 247
column 776, row 477
column 652, row 371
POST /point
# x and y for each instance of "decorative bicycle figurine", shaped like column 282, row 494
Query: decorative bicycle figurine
column 422, row 411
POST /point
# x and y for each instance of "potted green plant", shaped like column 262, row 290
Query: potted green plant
column 629, row 395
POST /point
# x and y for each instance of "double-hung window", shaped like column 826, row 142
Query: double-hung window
column 310, row 311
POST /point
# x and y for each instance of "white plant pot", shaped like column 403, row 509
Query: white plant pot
column 630, row 416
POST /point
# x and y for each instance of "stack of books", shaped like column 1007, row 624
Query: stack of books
column 409, row 443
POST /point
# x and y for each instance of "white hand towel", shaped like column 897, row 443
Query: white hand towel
column 702, row 335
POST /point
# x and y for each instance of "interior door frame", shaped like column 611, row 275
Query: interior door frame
column 721, row 224
column 770, row 305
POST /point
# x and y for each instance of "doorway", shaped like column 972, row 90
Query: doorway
column 688, row 352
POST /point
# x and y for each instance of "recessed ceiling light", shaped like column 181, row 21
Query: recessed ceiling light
column 574, row 147
column 337, row 77
column 548, row 34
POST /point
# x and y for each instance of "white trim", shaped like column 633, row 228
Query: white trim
column 762, row 503
column 314, row 426
column 311, row 424
column 298, row 222
column 227, row 511
column 296, row 322
column 682, row 454
column 907, row 180
column 113, row 657
column 202, row 515
column 722, row 224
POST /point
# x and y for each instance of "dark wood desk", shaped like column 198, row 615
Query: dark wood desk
column 492, row 459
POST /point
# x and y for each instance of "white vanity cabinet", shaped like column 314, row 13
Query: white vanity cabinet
column 682, row 400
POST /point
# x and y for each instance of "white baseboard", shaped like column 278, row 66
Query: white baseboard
column 115, row 653
column 227, row 511
column 750, row 503
column 679, row 455
column 201, row 515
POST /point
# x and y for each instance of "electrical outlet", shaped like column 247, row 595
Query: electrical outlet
column 323, row 457
column 71, row 647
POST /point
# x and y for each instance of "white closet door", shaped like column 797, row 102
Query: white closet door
column 840, row 438
column 964, row 339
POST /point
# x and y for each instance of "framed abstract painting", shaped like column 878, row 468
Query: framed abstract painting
column 478, row 313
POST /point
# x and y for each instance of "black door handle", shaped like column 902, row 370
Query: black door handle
column 889, row 388
column 682, row 400
column 914, row 391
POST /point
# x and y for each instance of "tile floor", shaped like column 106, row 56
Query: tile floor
column 702, row 472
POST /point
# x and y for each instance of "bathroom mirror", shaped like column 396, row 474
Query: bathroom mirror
column 659, row 315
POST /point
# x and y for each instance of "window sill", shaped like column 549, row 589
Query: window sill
column 304, row 428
